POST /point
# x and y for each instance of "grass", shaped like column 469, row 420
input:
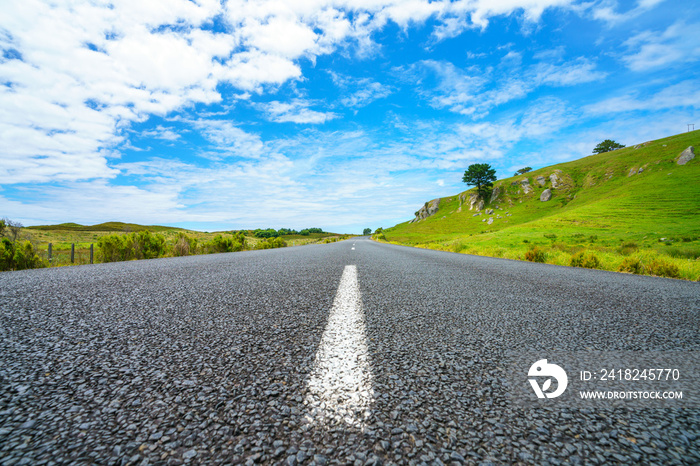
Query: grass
column 599, row 211
column 82, row 236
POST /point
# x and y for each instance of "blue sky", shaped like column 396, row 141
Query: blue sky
column 339, row 114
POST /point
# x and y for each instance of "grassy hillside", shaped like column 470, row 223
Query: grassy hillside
column 107, row 226
column 633, row 204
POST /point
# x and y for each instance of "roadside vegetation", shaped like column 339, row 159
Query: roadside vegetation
column 627, row 209
column 27, row 247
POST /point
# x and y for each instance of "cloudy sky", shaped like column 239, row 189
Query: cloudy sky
column 339, row 114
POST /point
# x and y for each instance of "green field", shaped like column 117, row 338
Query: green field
column 646, row 222
column 63, row 235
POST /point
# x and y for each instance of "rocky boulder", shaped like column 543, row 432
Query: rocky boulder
column 686, row 156
column 554, row 178
column 427, row 210
column 546, row 195
column 540, row 180
column 525, row 185
column 475, row 202
column 495, row 193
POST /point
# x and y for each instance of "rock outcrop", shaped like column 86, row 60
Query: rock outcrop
column 525, row 185
column 546, row 195
column 427, row 210
column 686, row 156
column 495, row 193
column 540, row 180
column 554, row 178
column 475, row 202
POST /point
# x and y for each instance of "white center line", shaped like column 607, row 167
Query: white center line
column 340, row 385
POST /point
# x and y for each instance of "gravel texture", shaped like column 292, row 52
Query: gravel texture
column 207, row 359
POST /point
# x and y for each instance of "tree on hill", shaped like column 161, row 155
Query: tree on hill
column 367, row 231
column 607, row 146
column 480, row 175
column 522, row 171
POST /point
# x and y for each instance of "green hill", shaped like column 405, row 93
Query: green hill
column 634, row 209
column 107, row 226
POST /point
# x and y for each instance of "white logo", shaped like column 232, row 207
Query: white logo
column 542, row 369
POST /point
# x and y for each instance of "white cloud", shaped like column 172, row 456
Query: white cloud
column 476, row 90
column 228, row 139
column 161, row 133
column 296, row 111
column 677, row 44
column 683, row 94
column 569, row 74
column 360, row 92
column 606, row 10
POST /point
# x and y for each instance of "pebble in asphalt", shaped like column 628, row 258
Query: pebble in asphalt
column 207, row 359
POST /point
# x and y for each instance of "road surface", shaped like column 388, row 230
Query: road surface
column 352, row 353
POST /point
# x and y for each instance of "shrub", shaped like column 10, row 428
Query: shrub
column 267, row 233
column 628, row 248
column 631, row 265
column 536, row 255
column 113, row 248
column 184, row 245
column 18, row 255
column 661, row 268
column 550, row 236
column 271, row 243
column 589, row 261
column 147, row 245
column 141, row 245
column 220, row 244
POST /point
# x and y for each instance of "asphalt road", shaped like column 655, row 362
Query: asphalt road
column 295, row 356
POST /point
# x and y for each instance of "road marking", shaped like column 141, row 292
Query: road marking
column 339, row 389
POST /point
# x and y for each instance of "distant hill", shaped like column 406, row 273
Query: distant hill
column 637, row 196
column 108, row 226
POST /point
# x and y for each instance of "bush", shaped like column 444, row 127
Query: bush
column 628, row 248
column 661, row 268
column 286, row 231
column 267, row 233
column 631, row 265
column 271, row 243
column 219, row 244
column 18, row 255
column 308, row 231
column 141, row 245
column 589, row 261
column 184, row 245
column 147, row 245
column 113, row 248
column 536, row 255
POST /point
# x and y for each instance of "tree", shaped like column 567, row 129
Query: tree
column 11, row 229
column 367, row 231
column 522, row 171
column 480, row 175
column 607, row 146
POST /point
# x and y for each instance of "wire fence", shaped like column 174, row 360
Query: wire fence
column 56, row 257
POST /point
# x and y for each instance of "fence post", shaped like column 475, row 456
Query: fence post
column 72, row 253
column 50, row 245
column 92, row 251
